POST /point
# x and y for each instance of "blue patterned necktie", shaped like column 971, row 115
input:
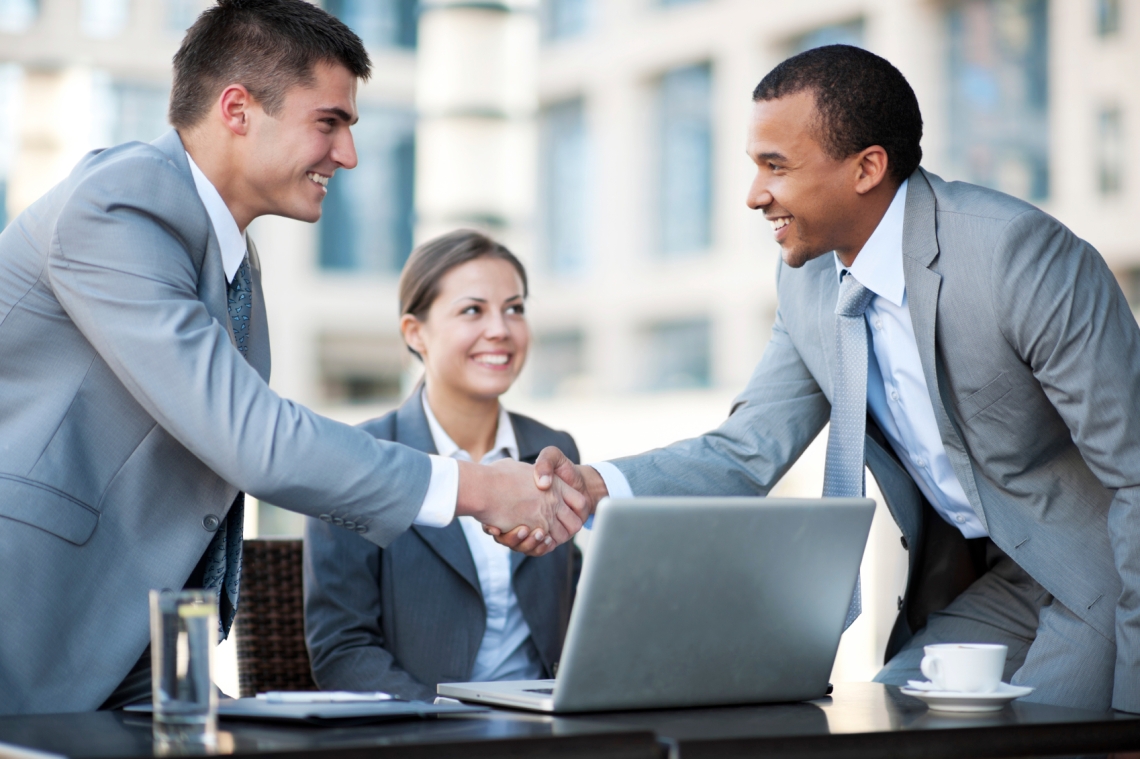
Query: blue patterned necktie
column 223, row 566
column 843, row 475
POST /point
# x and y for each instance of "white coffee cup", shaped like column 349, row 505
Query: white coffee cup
column 964, row 667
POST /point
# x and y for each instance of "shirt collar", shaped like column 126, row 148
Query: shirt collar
column 230, row 239
column 878, row 267
column 445, row 446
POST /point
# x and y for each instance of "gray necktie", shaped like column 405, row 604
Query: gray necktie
column 223, row 565
column 843, row 475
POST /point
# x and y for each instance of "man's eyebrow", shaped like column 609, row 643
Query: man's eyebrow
column 341, row 114
column 771, row 157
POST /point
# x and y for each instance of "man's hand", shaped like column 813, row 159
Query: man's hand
column 553, row 471
column 505, row 498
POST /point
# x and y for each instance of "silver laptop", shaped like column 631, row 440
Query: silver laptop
column 700, row 602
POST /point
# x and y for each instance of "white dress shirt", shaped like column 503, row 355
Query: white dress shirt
column 438, row 508
column 897, row 396
column 507, row 651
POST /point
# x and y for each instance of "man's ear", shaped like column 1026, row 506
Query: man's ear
column 235, row 104
column 410, row 328
column 871, row 169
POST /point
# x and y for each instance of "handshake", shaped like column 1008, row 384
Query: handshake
column 532, row 509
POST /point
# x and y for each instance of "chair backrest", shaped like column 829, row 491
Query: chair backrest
column 270, row 624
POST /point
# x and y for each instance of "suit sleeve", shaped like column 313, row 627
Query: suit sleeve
column 343, row 616
column 1061, row 309
column 771, row 423
column 121, row 266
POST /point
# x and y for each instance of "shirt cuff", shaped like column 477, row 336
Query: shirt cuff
column 616, row 484
column 442, row 494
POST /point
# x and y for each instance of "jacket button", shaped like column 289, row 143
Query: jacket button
column 350, row 525
column 361, row 529
column 211, row 522
column 338, row 521
column 900, row 603
column 906, row 546
column 326, row 518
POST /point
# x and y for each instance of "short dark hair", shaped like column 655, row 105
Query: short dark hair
column 862, row 100
column 268, row 46
column 420, row 280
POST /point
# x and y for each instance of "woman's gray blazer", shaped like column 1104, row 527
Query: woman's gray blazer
column 403, row 618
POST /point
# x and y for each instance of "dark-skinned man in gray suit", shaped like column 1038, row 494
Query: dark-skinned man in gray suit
column 997, row 369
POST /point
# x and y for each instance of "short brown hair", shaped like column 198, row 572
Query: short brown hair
column 420, row 280
column 267, row 46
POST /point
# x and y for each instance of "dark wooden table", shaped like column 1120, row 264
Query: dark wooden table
column 860, row 720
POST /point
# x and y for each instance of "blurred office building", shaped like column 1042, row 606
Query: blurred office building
column 603, row 140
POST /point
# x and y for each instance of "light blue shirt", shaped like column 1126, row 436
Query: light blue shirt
column 507, row 651
column 897, row 396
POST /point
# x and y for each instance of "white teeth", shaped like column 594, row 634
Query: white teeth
column 321, row 180
column 495, row 359
column 780, row 223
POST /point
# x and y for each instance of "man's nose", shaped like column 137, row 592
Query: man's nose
column 344, row 150
column 758, row 195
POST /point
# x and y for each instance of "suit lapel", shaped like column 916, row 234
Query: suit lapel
column 211, row 275
column 923, row 284
column 449, row 543
column 828, row 289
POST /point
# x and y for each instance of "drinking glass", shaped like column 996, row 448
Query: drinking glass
column 183, row 635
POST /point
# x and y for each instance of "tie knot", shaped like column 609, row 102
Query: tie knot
column 853, row 297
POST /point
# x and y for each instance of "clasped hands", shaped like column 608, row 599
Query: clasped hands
column 531, row 509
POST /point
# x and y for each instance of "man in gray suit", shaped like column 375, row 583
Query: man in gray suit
column 978, row 356
column 134, row 405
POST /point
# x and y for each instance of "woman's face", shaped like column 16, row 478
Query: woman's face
column 475, row 336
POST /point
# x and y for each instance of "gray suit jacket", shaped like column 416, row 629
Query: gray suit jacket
column 404, row 618
column 1032, row 360
column 409, row 616
column 129, row 421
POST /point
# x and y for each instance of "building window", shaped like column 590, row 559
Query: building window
column 849, row 33
column 677, row 355
column 104, row 18
column 1110, row 151
column 1107, row 17
column 556, row 361
column 684, row 109
column 181, row 14
column 17, row 16
column 380, row 23
column 11, row 96
column 999, row 131
column 366, row 225
column 139, row 111
column 565, row 18
column 564, row 185
column 361, row 367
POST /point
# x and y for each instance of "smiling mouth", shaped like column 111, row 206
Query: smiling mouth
column 492, row 359
column 320, row 179
column 780, row 222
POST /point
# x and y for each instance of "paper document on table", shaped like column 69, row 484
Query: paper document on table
column 341, row 713
column 322, row 697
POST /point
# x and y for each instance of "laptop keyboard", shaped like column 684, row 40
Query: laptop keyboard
column 545, row 691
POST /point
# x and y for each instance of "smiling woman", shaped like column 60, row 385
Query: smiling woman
column 446, row 603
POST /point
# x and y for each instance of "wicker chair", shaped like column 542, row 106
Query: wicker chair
column 270, row 624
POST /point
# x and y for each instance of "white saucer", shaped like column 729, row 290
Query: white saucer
column 953, row 701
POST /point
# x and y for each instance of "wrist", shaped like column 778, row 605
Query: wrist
column 596, row 488
column 473, row 486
